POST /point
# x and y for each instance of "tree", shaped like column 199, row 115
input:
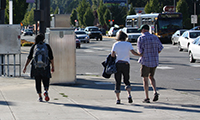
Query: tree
column 101, row 10
column 19, row 10
column 153, row 6
column 107, row 17
column 132, row 10
column 118, row 14
column 56, row 10
column 88, row 17
column 82, row 7
column 182, row 7
column 29, row 18
column 73, row 17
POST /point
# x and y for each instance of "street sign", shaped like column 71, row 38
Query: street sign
column 194, row 19
column 30, row 1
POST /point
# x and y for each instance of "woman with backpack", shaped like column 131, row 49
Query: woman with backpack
column 41, row 56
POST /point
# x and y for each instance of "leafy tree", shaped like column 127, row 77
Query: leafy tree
column 83, row 5
column 118, row 14
column 153, row 6
column 95, row 4
column 107, row 17
column 147, row 8
column 88, row 17
column 29, row 18
column 182, row 7
column 56, row 10
column 19, row 10
column 73, row 17
column 101, row 10
column 132, row 10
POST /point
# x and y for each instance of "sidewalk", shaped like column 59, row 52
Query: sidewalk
column 92, row 98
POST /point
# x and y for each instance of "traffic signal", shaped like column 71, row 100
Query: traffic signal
column 113, row 20
column 108, row 20
column 2, row 4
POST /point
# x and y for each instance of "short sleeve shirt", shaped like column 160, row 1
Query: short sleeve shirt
column 122, row 50
column 150, row 46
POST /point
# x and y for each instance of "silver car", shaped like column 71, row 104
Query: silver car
column 82, row 36
column 132, row 33
column 176, row 35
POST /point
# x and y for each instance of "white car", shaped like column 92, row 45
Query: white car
column 132, row 33
column 112, row 31
column 194, row 49
column 187, row 38
column 82, row 36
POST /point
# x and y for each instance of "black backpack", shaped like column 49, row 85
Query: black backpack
column 41, row 59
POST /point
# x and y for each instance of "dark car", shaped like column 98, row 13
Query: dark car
column 93, row 32
column 28, row 32
column 196, row 28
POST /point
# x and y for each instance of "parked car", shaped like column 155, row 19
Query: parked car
column 187, row 38
column 194, row 49
column 176, row 35
column 28, row 32
column 78, row 43
column 132, row 33
column 93, row 32
column 82, row 36
column 196, row 28
column 112, row 31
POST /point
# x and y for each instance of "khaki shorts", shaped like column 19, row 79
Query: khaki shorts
column 147, row 71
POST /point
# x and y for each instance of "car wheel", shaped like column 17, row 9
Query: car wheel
column 101, row 39
column 179, row 47
column 192, row 60
column 173, row 43
column 96, row 39
column 88, row 41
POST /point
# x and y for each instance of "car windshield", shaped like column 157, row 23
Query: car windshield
column 132, row 31
column 170, row 24
column 93, row 29
column 181, row 32
column 80, row 33
column 194, row 34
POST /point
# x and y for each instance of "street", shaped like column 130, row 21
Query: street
column 174, row 71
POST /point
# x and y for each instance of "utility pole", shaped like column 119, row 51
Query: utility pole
column 45, row 15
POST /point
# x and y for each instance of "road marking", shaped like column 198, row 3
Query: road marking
column 88, row 50
column 194, row 65
column 165, row 68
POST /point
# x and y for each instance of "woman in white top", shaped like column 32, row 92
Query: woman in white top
column 121, row 50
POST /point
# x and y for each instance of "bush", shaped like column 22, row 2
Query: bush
column 26, row 43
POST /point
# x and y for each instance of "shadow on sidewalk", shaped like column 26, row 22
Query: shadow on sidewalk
column 105, row 85
column 6, row 103
column 172, row 107
column 95, row 107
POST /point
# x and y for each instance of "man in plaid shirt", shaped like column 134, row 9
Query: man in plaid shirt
column 150, row 46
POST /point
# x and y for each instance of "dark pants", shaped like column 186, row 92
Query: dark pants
column 44, row 80
column 122, row 69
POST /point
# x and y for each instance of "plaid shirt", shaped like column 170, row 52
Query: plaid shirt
column 150, row 46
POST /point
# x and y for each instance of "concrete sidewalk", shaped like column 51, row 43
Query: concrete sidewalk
column 92, row 98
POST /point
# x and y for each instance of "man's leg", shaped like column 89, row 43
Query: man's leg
column 146, row 87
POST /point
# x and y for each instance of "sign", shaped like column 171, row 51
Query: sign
column 194, row 19
column 168, row 9
column 30, row 1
